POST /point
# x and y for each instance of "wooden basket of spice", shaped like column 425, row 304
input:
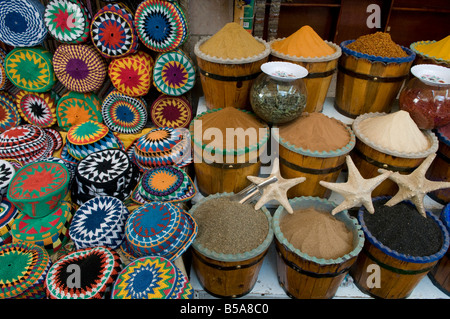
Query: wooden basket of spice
column 371, row 72
column 402, row 244
column 432, row 52
column 440, row 168
column 228, row 63
column 227, row 146
column 319, row 57
column 313, row 146
column 390, row 141
column 440, row 274
column 315, row 248
column 232, row 242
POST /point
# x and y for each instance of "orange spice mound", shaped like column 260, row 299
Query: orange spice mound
column 305, row 42
column 377, row 44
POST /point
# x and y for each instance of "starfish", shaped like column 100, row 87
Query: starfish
column 277, row 190
column 415, row 185
column 357, row 190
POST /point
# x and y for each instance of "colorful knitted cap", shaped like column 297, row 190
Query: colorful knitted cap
column 8, row 214
column 79, row 67
column 9, row 114
column 24, row 267
column 7, row 172
column 171, row 111
column 161, row 25
column 75, row 108
column 37, row 189
column 49, row 232
column 99, row 222
column 123, row 113
column 68, row 21
column 37, row 108
column 132, row 75
column 22, row 23
column 30, row 69
column 113, row 32
column 174, row 73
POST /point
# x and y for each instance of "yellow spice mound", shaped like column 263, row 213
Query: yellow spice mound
column 232, row 42
column 317, row 234
column 439, row 49
column 396, row 131
column 305, row 42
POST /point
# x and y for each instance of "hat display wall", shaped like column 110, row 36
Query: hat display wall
column 8, row 213
column 90, row 137
column 99, row 222
column 162, row 146
column 165, row 184
column 68, row 21
column 22, row 23
column 4, row 82
column 30, row 69
column 37, row 108
column 9, row 114
column 79, row 67
column 37, row 189
column 100, row 267
column 107, row 172
column 74, row 108
column 113, row 32
column 151, row 277
column 7, row 172
column 124, row 114
column 161, row 25
column 26, row 144
column 159, row 228
column 171, row 111
column 132, row 74
column 23, row 275
column 50, row 231
column 174, row 73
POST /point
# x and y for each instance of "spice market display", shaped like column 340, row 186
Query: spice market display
column 139, row 155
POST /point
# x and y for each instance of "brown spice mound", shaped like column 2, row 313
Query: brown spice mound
column 377, row 44
column 317, row 233
column 228, row 227
column 316, row 132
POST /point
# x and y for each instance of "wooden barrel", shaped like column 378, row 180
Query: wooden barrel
column 305, row 277
column 367, row 84
column 219, row 171
column 399, row 274
column 320, row 74
column 440, row 274
column 227, row 83
column 314, row 166
column 370, row 157
column 229, row 275
column 440, row 169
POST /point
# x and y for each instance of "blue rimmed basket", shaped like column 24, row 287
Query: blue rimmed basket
column 440, row 274
column 314, row 165
column 307, row 277
column 423, row 58
column 224, row 170
column 228, row 275
column 398, row 273
column 371, row 90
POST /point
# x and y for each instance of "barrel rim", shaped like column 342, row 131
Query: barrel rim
column 445, row 216
column 395, row 254
column 372, row 58
column 342, row 216
column 429, row 134
column 322, row 154
column 263, row 140
column 413, row 45
column 218, row 60
column 442, row 137
column 233, row 257
column 295, row 58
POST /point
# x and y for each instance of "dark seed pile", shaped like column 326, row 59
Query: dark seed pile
column 228, row 227
column 403, row 229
